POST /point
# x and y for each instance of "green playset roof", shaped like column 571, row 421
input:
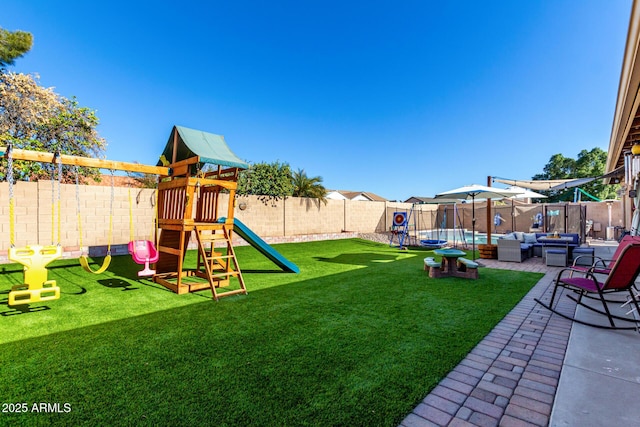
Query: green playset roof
column 185, row 143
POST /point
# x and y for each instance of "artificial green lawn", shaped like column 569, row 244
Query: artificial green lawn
column 359, row 337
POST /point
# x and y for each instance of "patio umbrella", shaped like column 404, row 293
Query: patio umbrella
column 471, row 192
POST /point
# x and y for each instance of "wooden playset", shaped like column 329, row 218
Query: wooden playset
column 189, row 199
column 189, row 203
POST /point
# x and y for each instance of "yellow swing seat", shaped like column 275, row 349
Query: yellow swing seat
column 84, row 262
column 36, row 287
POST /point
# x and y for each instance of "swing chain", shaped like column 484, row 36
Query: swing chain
column 12, row 231
column 111, row 211
column 52, row 173
column 56, row 160
column 131, row 234
column 59, row 199
column 77, row 173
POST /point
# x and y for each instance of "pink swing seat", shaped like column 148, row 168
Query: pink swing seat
column 144, row 252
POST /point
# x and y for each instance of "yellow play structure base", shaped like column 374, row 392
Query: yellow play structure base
column 36, row 287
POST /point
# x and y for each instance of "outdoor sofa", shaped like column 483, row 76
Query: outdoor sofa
column 518, row 246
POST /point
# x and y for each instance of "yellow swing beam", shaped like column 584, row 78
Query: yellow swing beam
column 65, row 159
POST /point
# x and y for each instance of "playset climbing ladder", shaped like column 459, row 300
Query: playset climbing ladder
column 218, row 267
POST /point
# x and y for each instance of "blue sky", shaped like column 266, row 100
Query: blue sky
column 405, row 98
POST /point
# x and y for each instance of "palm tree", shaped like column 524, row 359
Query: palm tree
column 303, row 186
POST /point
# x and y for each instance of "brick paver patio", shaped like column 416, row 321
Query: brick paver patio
column 510, row 378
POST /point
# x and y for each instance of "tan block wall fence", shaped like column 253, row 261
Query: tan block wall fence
column 33, row 215
column 293, row 219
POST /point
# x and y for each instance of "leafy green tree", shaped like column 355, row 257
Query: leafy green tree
column 304, row 186
column 559, row 167
column 270, row 181
column 13, row 45
column 36, row 118
column 589, row 164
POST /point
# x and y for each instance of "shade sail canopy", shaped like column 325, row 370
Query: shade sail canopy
column 540, row 185
column 571, row 184
column 557, row 184
column 185, row 143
